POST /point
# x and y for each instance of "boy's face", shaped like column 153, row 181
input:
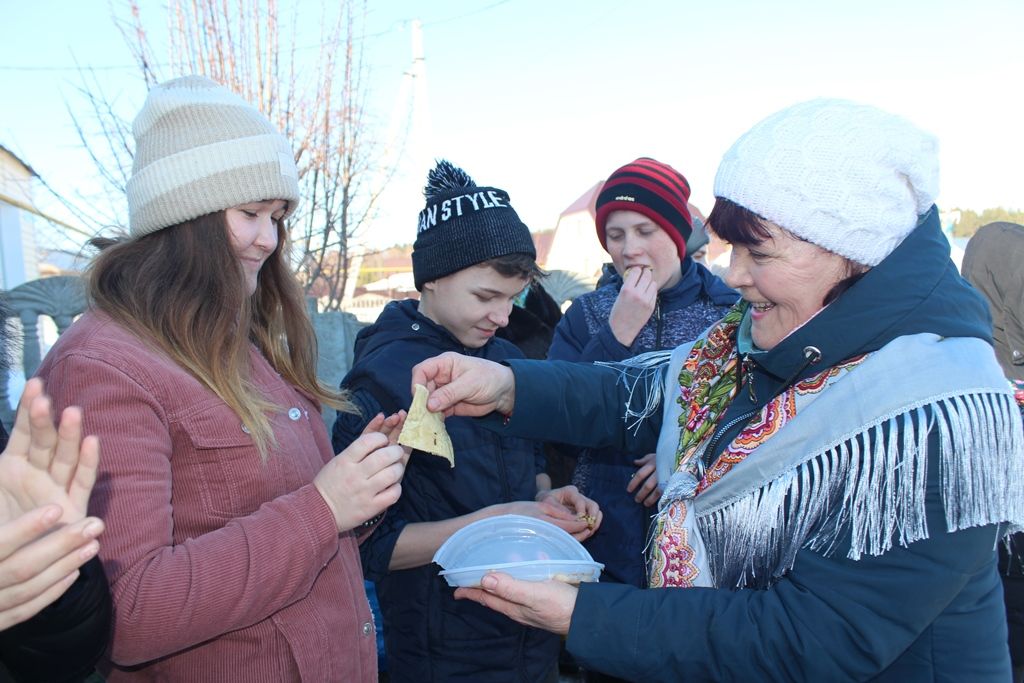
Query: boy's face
column 472, row 303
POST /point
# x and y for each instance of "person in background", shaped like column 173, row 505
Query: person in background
column 472, row 258
column 697, row 245
column 232, row 527
column 993, row 263
column 839, row 454
column 532, row 321
column 54, row 598
column 657, row 299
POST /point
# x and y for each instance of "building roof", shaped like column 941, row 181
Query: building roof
column 542, row 243
column 14, row 156
column 585, row 202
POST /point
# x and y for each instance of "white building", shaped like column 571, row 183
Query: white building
column 575, row 247
column 19, row 259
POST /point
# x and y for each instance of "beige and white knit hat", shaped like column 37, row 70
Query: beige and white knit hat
column 848, row 177
column 200, row 148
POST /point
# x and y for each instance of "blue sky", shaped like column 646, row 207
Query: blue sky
column 544, row 98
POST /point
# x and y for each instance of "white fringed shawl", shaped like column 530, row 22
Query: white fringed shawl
column 855, row 459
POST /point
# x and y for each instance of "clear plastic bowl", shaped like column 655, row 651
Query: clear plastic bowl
column 523, row 547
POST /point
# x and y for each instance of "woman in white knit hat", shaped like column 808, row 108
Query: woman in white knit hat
column 837, row 454
column 232, row 528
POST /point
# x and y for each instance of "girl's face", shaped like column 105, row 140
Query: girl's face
column 253, row 231
column 634, row 240
column 785, row 279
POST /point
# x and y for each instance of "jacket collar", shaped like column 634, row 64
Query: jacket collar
column 402, row 321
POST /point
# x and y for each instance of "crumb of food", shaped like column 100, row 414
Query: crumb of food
column 625, row 273
column 575, row 578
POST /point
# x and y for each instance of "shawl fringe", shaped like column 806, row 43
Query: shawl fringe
column 871, row 486
column 645, row 374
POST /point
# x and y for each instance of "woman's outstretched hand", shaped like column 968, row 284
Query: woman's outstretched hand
column 463, row 385
column 541, row 604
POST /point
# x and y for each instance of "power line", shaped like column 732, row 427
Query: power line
column 125, row 67
column 133, row 67
column 467, row 14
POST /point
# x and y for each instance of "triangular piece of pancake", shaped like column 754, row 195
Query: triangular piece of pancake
column 424, row 430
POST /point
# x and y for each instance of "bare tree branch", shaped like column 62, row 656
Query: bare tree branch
column 318, row 102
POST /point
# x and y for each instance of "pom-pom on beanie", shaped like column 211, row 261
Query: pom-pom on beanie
column 850, row 178
column 200, row 148
column 464, row 224
column 653, row 189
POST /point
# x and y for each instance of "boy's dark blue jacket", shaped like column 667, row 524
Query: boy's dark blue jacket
column 930, row 611
column 428, row 635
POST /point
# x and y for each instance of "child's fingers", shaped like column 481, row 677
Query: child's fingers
column 85, row 474
column 21, row 433
column 43, row 441
column 23, row 529
column 69, row 442
column 26, row 610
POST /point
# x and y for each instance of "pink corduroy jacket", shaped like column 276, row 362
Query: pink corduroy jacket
column 222, row 567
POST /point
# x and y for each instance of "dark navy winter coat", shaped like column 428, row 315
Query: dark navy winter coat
column 428, row 635
column 681, row 314
column 929, row 611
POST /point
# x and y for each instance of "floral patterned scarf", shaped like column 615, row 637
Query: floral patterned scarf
column 821, row 471
column 707, row 384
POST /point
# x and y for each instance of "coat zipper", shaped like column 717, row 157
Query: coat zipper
column 503, row 471
column 812, row 355
column 506, row 487
column 747, row 365
column 706, row 461
column 658, row 322
column 708, row 456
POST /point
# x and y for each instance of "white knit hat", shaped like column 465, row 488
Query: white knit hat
column 200, row 148
column 847, row 177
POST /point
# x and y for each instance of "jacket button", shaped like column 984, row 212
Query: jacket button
column 1017, row 357
column 416, row 326
column 367, row 628
column 294, row 414
column 244, row 428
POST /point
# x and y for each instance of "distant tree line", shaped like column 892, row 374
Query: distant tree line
column 969, row 221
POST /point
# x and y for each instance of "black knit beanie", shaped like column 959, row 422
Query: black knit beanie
column 463, row 225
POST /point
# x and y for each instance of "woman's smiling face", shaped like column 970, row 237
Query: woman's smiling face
column 785, row 279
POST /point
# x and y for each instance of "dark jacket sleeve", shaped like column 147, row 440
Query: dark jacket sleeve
column 573, row 341
column 576, row 404
column 349, row 426
column 65, row 640
column 540, row 458
column 375, row 550
column 829, row 619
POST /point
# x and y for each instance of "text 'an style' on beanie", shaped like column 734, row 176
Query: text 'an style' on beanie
column 464, row 224
column 651, row 188
column 200, row 148
column 848, row 177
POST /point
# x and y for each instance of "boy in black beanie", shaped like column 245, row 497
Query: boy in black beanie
column 472, row 257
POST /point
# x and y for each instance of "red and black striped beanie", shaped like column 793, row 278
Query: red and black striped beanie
column 652, row 188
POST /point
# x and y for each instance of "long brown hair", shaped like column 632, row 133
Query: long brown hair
column 183, row 287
